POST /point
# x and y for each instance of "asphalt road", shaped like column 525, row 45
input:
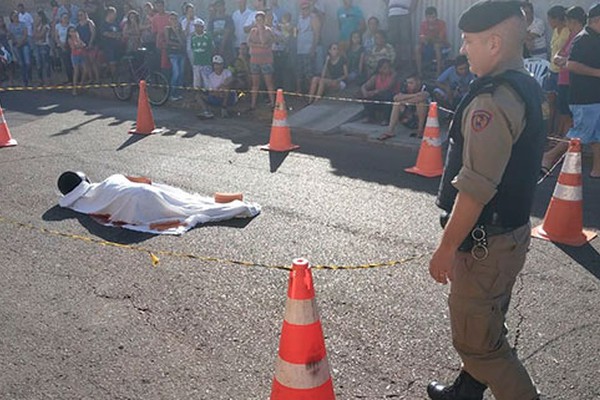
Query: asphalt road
column 80, row 319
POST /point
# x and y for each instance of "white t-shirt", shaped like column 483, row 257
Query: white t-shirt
column 62, row 32
column 27, row 19
column 239, row 20
column 538, row 27
column 215, row 80
column 399, row 7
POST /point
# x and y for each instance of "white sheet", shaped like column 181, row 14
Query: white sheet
column 137, row 206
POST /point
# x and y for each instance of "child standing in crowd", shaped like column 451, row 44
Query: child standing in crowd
column 202, row 49
column 333, row 77
column 77, row 47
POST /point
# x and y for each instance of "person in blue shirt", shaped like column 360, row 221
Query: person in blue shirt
column 453, row 83
column 350, row 19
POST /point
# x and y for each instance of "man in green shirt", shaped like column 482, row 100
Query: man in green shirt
column 202, row 49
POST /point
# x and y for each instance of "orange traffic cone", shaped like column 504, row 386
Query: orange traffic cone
column 5, row 139
column 563, row 222
column 228, row 197
column 429, row 162
column 145, row 120
column 302, row 370
column 281, row 137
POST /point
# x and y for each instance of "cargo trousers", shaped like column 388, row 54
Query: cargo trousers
column 480, row 295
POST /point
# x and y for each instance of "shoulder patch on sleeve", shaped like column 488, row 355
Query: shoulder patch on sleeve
column 480, row 120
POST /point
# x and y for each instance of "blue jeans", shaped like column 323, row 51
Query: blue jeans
column 176, row 73
column 42, row 60
column 24, row 53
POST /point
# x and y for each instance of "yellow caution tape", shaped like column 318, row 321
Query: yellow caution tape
column 155, row 260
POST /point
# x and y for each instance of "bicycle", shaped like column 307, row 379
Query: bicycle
column 134, row 68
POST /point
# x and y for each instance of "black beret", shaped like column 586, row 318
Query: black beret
column 594, row 11
column 485, row 14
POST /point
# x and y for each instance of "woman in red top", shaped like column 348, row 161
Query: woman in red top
column 433, row 39
column 380, row 87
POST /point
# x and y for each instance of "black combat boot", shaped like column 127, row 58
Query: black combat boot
column 465, row 387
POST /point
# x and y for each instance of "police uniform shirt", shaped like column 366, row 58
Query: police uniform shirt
column 491, row 124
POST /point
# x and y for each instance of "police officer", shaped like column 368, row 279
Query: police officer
column 486, row 193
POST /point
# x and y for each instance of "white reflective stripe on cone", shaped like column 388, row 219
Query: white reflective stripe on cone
column 434, row 142
column 279, row 123
column 568, row 193
column 572, row 164
column 300, row 376
column 301, row 312
column 432, row 122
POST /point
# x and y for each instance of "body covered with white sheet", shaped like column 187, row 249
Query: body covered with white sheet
column 150, row 207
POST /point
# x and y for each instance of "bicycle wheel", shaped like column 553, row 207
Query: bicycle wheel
column 123, row 88
column 158, row 88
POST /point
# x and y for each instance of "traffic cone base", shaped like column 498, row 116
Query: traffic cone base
column 586, row 236
column 5, row 139
column 563, row 222
column 281, row 136
column 430, row 163
column 268, row 147
column 426, row 174
column 145, row 120
column 302, row 369
column 324, row 391
column 10, row 142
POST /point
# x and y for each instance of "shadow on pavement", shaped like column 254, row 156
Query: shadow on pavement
column 131, row 140
column 108, row 233
column 276, row 159
column 586, row 256
column 349, row 157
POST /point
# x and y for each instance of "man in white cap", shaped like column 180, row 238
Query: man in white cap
column 219, row 86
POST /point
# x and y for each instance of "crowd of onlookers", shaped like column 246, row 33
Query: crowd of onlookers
column 260, row 45
column 257, row 46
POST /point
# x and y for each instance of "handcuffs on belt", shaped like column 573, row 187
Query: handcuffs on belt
column 479, row 251
column 476, row 244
